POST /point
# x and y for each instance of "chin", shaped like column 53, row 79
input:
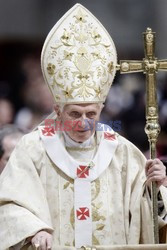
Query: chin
column 82, row 138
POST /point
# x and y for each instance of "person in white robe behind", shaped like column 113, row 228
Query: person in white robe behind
column 74, row 181
column 9, row 137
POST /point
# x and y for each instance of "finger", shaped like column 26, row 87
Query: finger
column 158, row 163
column 148, row 164
column 35, row 239
column 154, row 173
column 36, row 246
column 155, row 168
column 149, row 161
column 49, row 243
column 156, row 160
column 43, row 244
column 156, row 179
column 152, row 162
column 36, row 243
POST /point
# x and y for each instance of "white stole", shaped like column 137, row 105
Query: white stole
column 83, row 175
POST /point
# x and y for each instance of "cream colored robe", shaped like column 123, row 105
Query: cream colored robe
column 36, row 195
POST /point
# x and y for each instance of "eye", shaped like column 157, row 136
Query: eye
column 75, row 114
column 91, row 114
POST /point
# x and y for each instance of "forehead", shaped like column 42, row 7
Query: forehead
column 81, row 107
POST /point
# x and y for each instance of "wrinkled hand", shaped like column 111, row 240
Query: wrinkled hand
column 42, row 241
column 155, row 171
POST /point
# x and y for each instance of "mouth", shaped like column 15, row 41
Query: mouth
column 82, row 131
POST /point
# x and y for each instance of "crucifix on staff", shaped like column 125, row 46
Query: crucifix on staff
column 150, row 65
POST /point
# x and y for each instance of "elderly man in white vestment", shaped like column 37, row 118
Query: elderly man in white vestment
column 74, row 181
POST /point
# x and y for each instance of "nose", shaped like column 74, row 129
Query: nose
column 83, row 122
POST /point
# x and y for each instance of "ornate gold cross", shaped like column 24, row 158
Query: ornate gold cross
column 149, row 66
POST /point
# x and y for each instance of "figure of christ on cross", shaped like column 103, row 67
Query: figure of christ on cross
column 150, row 65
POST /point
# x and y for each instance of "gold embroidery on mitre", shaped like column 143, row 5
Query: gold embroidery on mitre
column 51, row 69
column 79, row 58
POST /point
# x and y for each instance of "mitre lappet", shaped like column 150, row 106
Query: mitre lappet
column 79, row 58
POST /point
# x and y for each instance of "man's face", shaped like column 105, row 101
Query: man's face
column 82, row 119
column 9, row 144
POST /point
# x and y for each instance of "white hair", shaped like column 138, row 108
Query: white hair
column 62, row 105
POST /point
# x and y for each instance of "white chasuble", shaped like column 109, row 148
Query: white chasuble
column 37, row 193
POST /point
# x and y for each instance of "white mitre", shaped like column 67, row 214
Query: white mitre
column 79, row 58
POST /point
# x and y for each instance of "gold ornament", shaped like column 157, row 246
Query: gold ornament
column 79, row 58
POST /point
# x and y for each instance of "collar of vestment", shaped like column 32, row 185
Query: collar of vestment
column 83, row 174
column 69, row 143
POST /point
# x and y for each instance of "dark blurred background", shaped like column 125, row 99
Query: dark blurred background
column 24, row 98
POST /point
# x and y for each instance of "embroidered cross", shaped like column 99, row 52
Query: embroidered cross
column 83, row 171
column 48, row 131
column 109, row 136
column 83, row 213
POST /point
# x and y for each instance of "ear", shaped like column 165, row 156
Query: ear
column 102, row 106
column 57, row 110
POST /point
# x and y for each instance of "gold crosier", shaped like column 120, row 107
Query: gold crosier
column 149, row 66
